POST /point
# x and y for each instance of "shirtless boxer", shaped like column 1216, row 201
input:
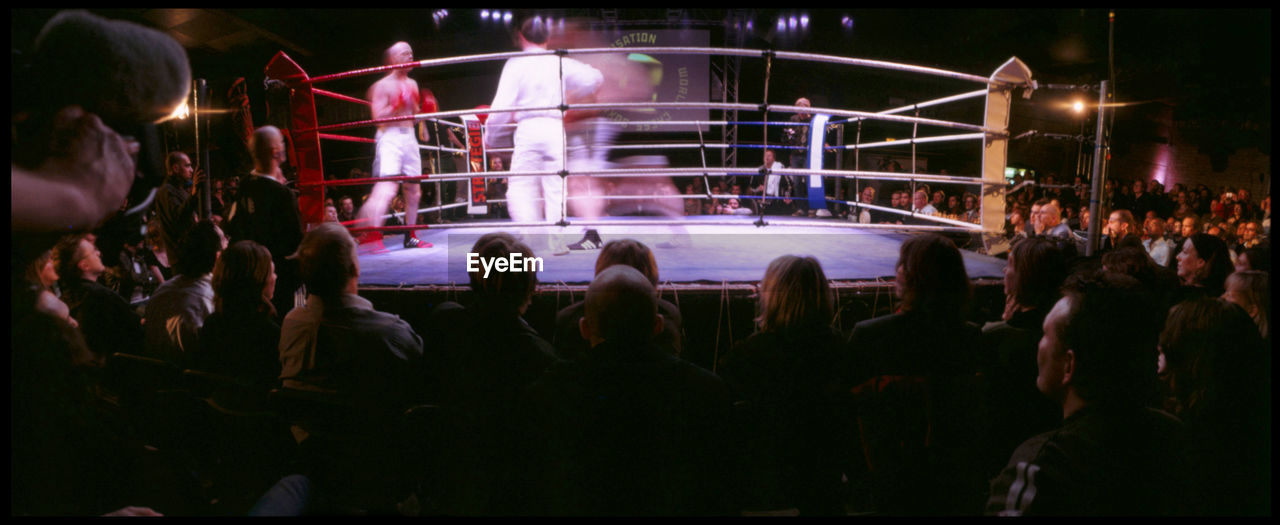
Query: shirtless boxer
column 395, row 95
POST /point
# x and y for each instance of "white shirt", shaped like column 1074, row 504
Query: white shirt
column 534, row 81
column 928, row 209
column 1159, row 250
column 771, row 182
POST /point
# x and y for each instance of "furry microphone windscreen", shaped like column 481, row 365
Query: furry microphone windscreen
column 126, row 73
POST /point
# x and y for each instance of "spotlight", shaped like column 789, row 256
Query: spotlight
column 1077, row 107
column 782, row 24
column 484, row 14
column 792, row 22
column 506, row 17
column 749, row 28
column 804, row 21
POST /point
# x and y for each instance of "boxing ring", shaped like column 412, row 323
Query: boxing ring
column 692, row 251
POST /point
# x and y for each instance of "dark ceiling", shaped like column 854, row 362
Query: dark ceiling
column 1207, row 62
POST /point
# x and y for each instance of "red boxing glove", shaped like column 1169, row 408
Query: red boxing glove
column 429, row 104
column 482, row 116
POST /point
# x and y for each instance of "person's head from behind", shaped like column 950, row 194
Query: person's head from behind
column 75, row 258
column 1207, row 343
column 1256, row 258
column 1035, row 272
column 931, row 277
column 244, row 277
column 621, row 307
column 794, row 294
column 630, row 252
column 1099, row 343
column 267, row 146
column 1252, row 291
column 1204, row 261
column 509, row 292
column 533, row 31
column 327, row 261
column 198, row 250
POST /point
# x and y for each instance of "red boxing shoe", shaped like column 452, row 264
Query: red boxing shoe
column 412, row 241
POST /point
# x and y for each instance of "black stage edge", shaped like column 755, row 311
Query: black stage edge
column 715, row 315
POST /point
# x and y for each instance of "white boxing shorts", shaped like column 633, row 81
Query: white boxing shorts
column 397, row 152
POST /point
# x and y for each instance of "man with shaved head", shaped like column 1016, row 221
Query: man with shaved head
column 629, row 429
column 397, row 153
column 1051, row 220
column 266, row 212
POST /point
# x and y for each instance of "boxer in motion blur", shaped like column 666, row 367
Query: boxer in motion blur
column 395, row 95
column 534, row 81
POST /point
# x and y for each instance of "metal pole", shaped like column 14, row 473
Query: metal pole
column 1095, row 196
column 202, row 150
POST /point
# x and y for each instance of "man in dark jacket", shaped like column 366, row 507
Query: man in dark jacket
column 266, row 212
column 630, row 430
column 175, row 206
column 1111, row 456
column 108, row 323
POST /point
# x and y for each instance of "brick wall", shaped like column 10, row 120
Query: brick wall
column 1182, row 161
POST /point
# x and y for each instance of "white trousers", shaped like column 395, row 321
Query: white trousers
column 539, row 146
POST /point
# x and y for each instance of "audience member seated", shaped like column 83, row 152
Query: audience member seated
column 1257, row 258
column 1133, row 261
column 1251, row 290
column 568, row 340
column 916, row 370
column 108, row 323
column 1036, row 270
column 485, row 356
column 787, row 372
column 338, row 343
column 177, row 310
column 1121, row 229
column 42, row 274
column 241, row 338
column 630, row 430
column 1051, row 221
column 1156, row 245
column 1219, row 375
column 155, row 256
column 1112, row 455
column 1203, row 266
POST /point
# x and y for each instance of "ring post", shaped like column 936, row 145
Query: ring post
column 302, row 116
column 995, row 151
